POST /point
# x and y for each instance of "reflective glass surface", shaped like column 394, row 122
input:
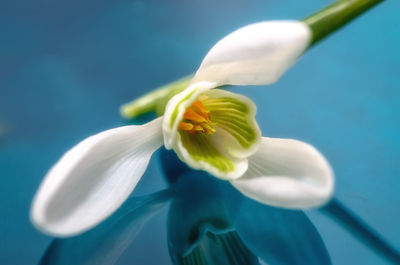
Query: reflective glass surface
column 67, row 66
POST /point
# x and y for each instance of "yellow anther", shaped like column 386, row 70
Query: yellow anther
column 208, row 129
column 196, row 119
column 193, row 116
column 185, row 126
column 198, row 106
column 198, row 128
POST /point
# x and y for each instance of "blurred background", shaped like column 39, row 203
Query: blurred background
column 67, row 66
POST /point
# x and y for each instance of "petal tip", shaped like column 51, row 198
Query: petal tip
column 289, row 174
column 256, row 54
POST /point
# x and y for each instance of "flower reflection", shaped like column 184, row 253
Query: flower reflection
column 210, row 222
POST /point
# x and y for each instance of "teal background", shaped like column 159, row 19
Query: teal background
column 67, row 66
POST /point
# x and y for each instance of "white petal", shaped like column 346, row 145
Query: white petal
column 287, row 173
column 257, row 54
column 94, row 178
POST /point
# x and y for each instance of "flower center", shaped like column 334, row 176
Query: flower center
column 197, row 119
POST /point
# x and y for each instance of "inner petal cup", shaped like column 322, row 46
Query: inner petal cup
column 216, row 132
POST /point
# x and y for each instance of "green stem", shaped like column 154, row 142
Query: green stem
column 322, row 24
column 154, row 100
column 335, row 16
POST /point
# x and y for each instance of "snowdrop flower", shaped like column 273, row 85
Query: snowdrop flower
column 209, row 129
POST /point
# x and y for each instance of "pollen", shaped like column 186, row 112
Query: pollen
column 197, row 119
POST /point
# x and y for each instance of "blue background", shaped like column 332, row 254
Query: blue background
column 67, row 66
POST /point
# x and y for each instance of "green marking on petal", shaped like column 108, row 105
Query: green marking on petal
column 216, row 132
column 175, row 112
column 233, row 116
column 200, row 148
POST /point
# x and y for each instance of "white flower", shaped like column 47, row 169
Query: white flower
column 209, row 129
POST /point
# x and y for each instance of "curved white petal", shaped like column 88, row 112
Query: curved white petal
column 257, row 54
column 94, row 178
column 287, row 173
